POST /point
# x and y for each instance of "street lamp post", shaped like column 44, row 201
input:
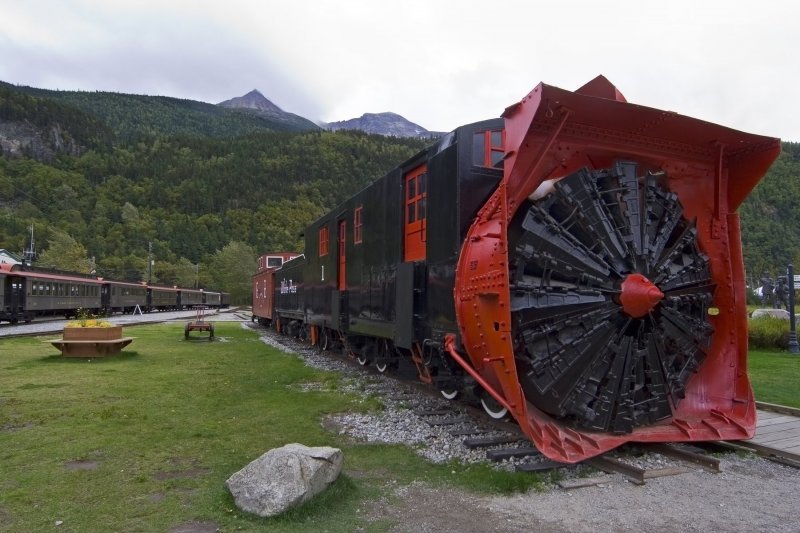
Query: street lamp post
column 793, row 346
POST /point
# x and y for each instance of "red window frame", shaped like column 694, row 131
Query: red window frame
column 323, row 241
column 416, row 215
column 494, row 142
column 357, row 223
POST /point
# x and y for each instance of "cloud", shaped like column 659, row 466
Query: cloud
column 440, row 64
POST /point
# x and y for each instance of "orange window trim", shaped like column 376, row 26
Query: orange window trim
column 323, row 241
column 357, row 223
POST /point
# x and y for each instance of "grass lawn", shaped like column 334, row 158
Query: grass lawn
column 775, row 377
column 143, row 441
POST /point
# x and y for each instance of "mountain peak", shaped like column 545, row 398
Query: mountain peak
column 252, row 100
column 256, row 103
column 386, row 123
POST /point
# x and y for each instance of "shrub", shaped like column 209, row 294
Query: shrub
column 768, row 332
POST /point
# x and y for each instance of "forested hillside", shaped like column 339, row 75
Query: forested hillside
column 200, row 201
column 208, row 190
column 130, row 116
column 771, row 218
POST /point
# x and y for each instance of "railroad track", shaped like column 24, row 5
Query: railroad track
column 502, row 440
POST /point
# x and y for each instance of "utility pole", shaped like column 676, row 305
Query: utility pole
column 149, row 262
column 30, row 253
column 196, row 275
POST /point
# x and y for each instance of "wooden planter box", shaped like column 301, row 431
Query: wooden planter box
column 91, row 342
column 93, row 334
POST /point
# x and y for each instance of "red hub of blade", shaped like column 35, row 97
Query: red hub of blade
column 639, row 295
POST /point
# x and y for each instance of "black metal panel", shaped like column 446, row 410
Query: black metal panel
column 290, row 288
column 457, row 190
column 404, row 304
column 475, row 183
column 319, row 273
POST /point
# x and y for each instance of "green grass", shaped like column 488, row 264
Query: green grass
column 775, row 377
column 167, row 421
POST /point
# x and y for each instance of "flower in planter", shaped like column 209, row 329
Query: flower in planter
column 87, row 320
column 89, row 323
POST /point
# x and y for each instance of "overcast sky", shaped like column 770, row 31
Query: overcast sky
column 439, row 63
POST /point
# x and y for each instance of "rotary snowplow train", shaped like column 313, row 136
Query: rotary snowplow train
column 576, row 264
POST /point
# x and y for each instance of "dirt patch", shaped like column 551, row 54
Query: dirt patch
column 5, row 518
column 422, row 508
column 81, row 465
column 190, row 473
column 183, row 468
column 750, row 494
column 195, row 527
column 16, row 426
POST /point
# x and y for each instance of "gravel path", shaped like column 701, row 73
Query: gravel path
column 750, row 493
column 56, row 326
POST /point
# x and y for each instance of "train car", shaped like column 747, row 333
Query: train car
column 27, row 292
column 11, row 306
column 263, row 283
column 5, row 308
column 576, row 264
column 123, row 297
column 288, row 298
column 162, row 298
column 31, row 293
column 212, row 299
column 189, row 298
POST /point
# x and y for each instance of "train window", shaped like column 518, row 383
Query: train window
column 488, row 148
column 323, row 241
column 274, row 262
column 357, row 223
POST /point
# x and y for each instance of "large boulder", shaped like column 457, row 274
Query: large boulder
column 775, row 313
column 284, row 477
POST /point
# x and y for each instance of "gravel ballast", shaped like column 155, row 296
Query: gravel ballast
column 749, row 494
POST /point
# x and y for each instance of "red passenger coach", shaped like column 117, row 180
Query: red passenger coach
column 264, row 284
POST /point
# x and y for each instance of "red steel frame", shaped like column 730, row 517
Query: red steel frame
column 548, row 135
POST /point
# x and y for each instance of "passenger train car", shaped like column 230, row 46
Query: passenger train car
column 26, row 293
column 576, row 264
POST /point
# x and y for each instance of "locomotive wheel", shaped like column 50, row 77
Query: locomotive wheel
column 324, row 339
column 492, row 407
column 449, row 394
column 610, row 295
column 383, row 357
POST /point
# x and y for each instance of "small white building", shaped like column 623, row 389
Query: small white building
column 8, row 257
